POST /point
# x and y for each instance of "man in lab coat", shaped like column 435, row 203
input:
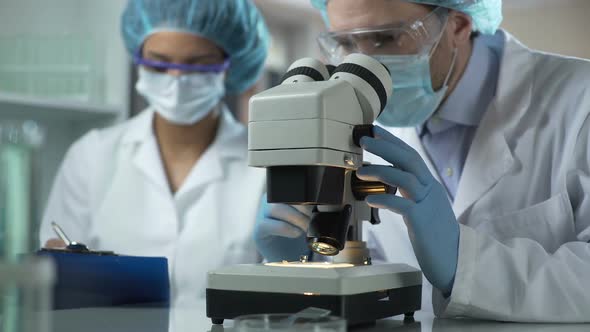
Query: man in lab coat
column 160, row 184
column 491, row 144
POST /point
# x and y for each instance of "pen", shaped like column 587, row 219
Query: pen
column 60, row 233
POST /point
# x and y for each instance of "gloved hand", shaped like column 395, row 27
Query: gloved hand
column 427, row 212
column 281, row 231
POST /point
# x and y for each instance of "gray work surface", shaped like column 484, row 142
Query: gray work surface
column 193, row 319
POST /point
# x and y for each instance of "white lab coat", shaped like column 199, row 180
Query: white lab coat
column 112, row 193
column 523, row 201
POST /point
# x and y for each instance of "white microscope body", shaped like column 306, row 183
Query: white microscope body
column 305, row 132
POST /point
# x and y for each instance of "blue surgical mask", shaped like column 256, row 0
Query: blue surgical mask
column 413, row 100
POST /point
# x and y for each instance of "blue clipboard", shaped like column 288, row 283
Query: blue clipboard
column 104, row 279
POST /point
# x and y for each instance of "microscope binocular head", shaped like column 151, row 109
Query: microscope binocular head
column 303, row 131
column 306, row 133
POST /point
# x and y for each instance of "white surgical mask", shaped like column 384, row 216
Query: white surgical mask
column 184, row 99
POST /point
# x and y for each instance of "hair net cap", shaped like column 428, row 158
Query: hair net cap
column 486, row 14
column 234, row 25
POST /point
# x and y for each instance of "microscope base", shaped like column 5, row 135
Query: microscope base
column 354, row 293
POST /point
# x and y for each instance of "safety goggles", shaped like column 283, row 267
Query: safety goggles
column 397, row 39
column 161, row 66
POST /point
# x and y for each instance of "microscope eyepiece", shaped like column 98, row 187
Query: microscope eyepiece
column 367, row 76
column 331, row 69
column 371, row 81
column 306, row 70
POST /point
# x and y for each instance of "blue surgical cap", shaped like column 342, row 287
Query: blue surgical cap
column 486, row 14
column 234, row 25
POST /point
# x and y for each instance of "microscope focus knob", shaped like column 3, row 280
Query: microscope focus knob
column 361, row 189
column 360, row 131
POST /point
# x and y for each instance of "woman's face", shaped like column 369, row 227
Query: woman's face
column 181, row 48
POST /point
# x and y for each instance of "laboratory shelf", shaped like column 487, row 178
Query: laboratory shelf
column 12, row 106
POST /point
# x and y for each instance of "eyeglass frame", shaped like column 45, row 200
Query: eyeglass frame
column 194, row 68
column 408, row 28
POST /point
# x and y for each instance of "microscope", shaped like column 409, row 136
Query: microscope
column 305, row 132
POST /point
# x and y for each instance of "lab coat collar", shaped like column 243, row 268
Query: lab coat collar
column 516, row 70
column 140, row 143
column 490, row 156
column 231, row 138
column 230, row 131
column 141, row 129
column 228, row 144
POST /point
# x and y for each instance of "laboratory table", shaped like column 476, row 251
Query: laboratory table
column 192, row 318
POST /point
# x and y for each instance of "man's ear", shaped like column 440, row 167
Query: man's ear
column 460, row 28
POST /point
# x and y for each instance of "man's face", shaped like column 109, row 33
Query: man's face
column 355, row 14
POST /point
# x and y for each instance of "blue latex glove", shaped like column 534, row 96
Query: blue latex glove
column 431, row 222
column 281, row 231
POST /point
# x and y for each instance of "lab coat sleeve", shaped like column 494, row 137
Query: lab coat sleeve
column 68, row 203
column 517, row 279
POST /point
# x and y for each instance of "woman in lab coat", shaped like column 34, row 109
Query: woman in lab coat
column 174, row 180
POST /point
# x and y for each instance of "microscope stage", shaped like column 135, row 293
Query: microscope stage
column 361, row 294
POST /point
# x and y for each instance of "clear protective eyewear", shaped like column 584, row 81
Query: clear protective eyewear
column 161, row 66
column 396, row 39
